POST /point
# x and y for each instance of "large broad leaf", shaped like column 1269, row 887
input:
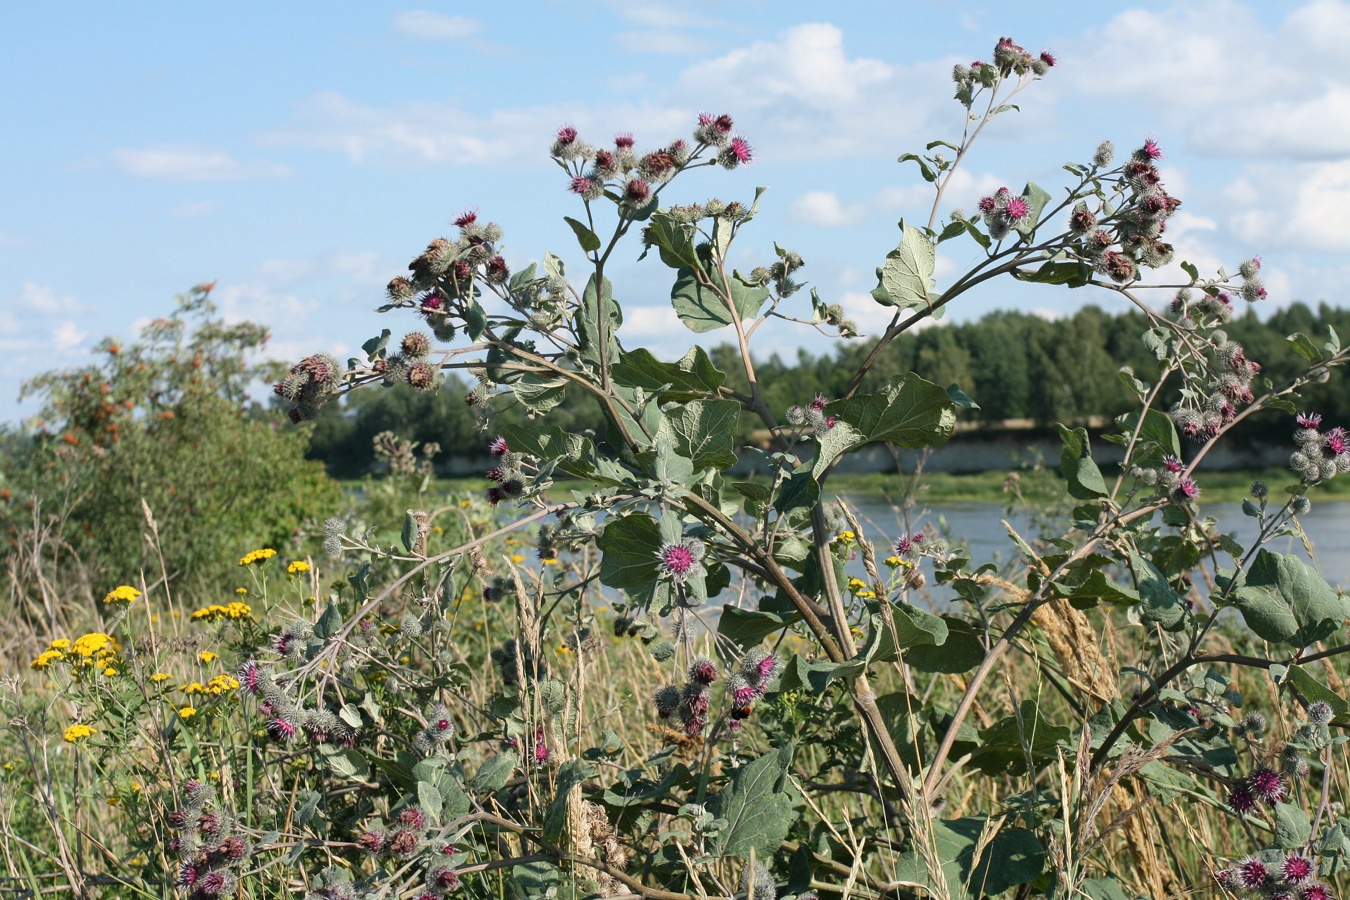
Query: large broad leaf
column 1314, row 690
column 1284, row 601
column 1161, row 603
column 757, row 804
column 674, row 241
column 629, row 546
column 694, row 375
column 1157, row 438
column 962, row 651
column 1011, row 743
column 704, row 309
column 539, row 394
column 1076, row 465
column 746, row 628
column 598, row 308
column 905, row 280
column 570, row 452
column 703, row 431
column 1292, row 827
column 909, row 412
column 1013, row 857
column 494, row 773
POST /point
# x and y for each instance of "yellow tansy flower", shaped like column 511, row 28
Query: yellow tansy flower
column 846, row 537
column 896, row 562
column 45, row 658
column 241, row 591
column 207, row 656
column 110, row 671
column 160, row 676
column 856, row 585
column 298, row 567
column 60, row 644
column 552, row 561
column 257, row 556
column 77, row 733
column 186, row 712
column 89, row 644
column 122, row 594
column 517, row 558
column 222, row 684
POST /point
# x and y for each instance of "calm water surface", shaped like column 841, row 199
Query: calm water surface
column 980, row 525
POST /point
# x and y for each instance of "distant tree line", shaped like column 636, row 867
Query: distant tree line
column 1015, row 365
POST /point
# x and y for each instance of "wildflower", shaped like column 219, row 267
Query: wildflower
column 60, row 644
column 1296, row 868
column 1315, row 892
column 895, row 562
column 846, row 537
column 637, row 191
column 703, row 670
column 679, row 560
column 186, row 712
column 1048, row 58
column 1252, row 873
column 257, row 556
column 1267, row 785
column 207, row 656
column 109, row 671
column 46, row 658
column 281, row 730
column 95, row 643
column 1017, row 209
column 1151, row 150
column 737, row 153
column 907, row 545
column 1241, row 801
column 122, row 594
column 666, row 699
column 1186, row 489
column 160, row 676
column 76, row 733
column 1172, row 464
column 297, row 567
column 1320, row 713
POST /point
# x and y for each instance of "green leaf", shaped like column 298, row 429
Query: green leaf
column 345, row 762
column 960, row 652
column 585, row 237
column 1292, row 827
column 1107, row 888
column 905, row 280
column 694, row 375
column 705, row 309
column 1315, row 690
column 960, row 398
column 430, row 799
column 914, row 627
column 1304, row 347
column 1074, row 274
column 539, row 394
column 1284, row 601
column 475, row 320
column 629, row 546
column 747, row 628
column 1157, row 438
column 1012, row 857
column 1161, row 603
column 410, row 530
column 1015, row 741
column 376, row 345
column 1036, row 198
column 597, row 307
column 493, row 775
column 703, row 431
column 801, row 491
column 571, row 775
column 673, row 241
column 1191, row 270
column 928, row 174
column 571, row 453
column 1076, row 465
column 909, row 412
column 757, row 804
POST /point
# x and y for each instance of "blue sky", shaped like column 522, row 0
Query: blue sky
column 301, row 154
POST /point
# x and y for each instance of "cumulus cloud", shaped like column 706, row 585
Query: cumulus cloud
column 824, row 208
column 67, row 336
column 188, row 163
column 1277, row 84
column 426, row 25
column 1302, row 206
column 42, row 299
column 652, row 321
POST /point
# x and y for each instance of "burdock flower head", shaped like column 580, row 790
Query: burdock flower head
column 681, row 560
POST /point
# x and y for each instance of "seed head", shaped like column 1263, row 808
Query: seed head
column 1320, row 713
column 703, row 670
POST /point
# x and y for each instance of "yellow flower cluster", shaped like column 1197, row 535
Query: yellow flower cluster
column 856, row 584
column 122, row 594
column 77, row 733
column 846, row 537
column 208, row 656
column 896, row 562
column 160, row 676
column 46, row 658
column 257, row 556
column 95, row 644
column 298, row 567
column 235, row 610
column 221, row 684
column 186, row 713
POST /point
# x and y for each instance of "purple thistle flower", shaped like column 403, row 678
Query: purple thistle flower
column 1320, row 713
column 624, row 141
column 1252, row 873
column 986, row 204
column 768, row 667
column 413, row 818
column 1241, row 801
column 1048, row 58
column 740, row 148
column 637, row 191
column 1187, row 489
column 373, row 841
column 446, row 879
column 403, row 843
column 1172, row 464
column 498, row 447
column 1017, row 209
column 1316, row 892
column 677, row 560
column 211, row 884
column 1152, row 150
column 582, row 185
column 1268, row 785
column 281, row 730
column 744, row 696
column 249, row 675
column 187, row 875
column 1296, row 868
column 703, row 670
column 1308, row 420
column 566, row 135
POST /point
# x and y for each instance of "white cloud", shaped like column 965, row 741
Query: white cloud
column 1302, row 206
column 187, row 163
column 823, row 208
column 425, row 25
column 67, row 336
column 40, row 298
column 1280, row 85
column 872, row 318
column 652, row 321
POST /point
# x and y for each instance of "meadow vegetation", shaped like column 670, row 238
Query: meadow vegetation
column 613, row 670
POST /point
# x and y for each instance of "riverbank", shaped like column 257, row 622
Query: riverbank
column 1036, row 487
